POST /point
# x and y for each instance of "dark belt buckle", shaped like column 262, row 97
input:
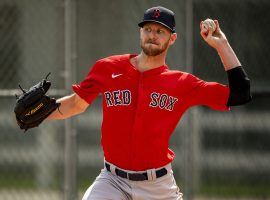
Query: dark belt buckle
column 137, row 177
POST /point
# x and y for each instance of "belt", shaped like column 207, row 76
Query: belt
column 136, row 176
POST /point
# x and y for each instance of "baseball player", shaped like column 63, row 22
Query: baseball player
column 143, row 100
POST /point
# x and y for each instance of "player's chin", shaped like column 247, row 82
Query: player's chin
column 151, row 51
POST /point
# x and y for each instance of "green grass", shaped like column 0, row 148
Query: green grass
column 235, row 190
column 8, row 181
column 24, row 182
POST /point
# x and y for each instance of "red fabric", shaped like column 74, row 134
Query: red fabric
column 141, row 110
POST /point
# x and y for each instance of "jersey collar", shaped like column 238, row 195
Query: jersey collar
column 155, row 71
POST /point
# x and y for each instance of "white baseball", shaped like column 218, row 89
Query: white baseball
column 208, row 24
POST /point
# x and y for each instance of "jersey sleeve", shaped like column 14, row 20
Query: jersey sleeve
column 211, row 94
column 91, row 86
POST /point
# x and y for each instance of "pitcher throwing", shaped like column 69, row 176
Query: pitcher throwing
column 143, row 100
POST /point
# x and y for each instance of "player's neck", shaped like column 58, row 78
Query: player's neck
column 142, row 62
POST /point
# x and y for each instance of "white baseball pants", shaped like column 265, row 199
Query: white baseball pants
column 109, row 186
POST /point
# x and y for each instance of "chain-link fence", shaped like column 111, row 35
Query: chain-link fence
column 31, row 164
column 218, row 155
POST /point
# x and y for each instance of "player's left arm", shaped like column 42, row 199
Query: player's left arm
column 239, row 82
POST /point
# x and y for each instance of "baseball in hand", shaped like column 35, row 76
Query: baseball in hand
column 207, row 25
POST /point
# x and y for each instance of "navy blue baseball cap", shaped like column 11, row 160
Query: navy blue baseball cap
column 159, row 15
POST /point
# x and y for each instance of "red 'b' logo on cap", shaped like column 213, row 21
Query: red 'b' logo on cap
column 156, row 13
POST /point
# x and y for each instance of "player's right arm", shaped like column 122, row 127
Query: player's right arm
column 70, row 105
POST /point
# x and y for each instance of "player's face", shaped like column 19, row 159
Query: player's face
column 155, row 39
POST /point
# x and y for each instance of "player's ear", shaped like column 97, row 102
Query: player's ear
column 141, row 31
column 173, row 38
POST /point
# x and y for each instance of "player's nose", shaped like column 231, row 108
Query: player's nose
column 153, row 35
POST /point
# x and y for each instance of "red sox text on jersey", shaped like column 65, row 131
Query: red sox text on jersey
column 123, row 98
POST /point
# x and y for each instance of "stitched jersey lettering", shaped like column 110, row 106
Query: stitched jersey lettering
column 172, row 101
column 118, row 98
column 162, row 101
column 154, row 101
column 123, row 98
column 108, row 96
column 126, row 94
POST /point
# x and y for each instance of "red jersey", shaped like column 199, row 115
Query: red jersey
column 142, row 109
